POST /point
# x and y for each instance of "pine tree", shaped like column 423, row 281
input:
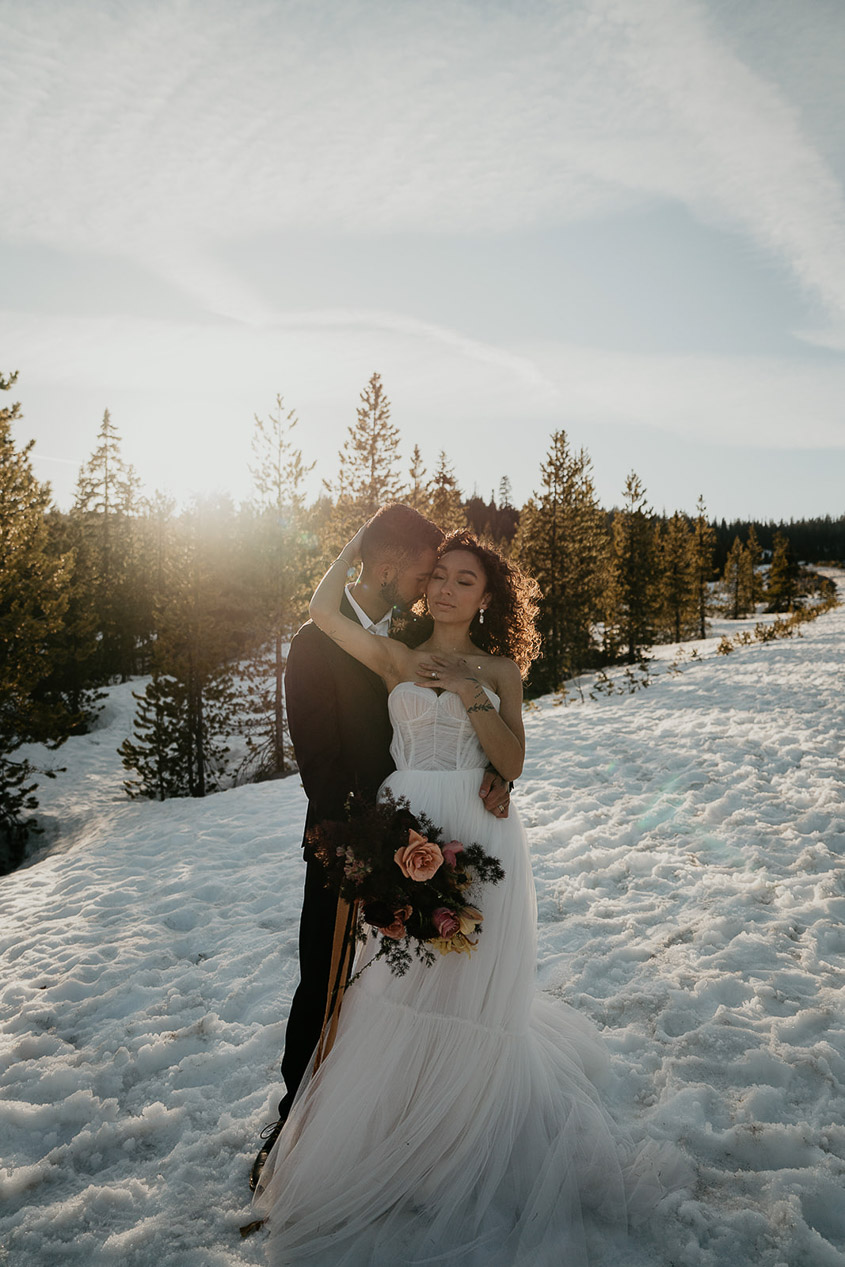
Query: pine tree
column 278, row 472
column 159, row 754
column 106, row 485
column 505, row 492
column 676, row 562
column 782, row 589
column 192, row 703
column 737, row 581
column 704, row 539
column 281, row 558
column 753, row 557
column 369, row 462
column 444, row 496
column 636, row 590
column 157, row 533
column 105, row 505
column 74, row 646
column 562, row 542
column 178, row 748
column 497, row 524
column 33, row 600
column 418, row 496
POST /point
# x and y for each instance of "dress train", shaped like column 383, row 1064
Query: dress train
column 457, row 1119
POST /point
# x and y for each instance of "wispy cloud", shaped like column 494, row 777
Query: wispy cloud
column 46, row 457
column 750, row 160
column 445, row 397
column 223, row 293
column 151, row 129
column 758, row 402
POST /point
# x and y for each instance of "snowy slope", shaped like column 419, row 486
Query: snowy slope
column 688, row 844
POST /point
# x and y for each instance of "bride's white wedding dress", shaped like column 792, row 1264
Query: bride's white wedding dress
column 455, row 1120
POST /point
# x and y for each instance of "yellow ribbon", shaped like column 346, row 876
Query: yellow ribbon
column 343, row 952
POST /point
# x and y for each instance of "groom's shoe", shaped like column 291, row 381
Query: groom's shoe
column 270, row 1134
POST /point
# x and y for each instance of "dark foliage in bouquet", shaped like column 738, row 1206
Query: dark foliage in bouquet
column 414, row 892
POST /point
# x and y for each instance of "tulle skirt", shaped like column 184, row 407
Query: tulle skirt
column 456, row 1119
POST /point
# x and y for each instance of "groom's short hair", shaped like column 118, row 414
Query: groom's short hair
column 398, row 532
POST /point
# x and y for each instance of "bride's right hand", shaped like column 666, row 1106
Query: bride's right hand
column 352, row 549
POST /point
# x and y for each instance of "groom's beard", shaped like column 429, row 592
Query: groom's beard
column 391, row 595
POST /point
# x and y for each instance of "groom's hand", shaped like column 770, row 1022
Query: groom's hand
column 495, row 793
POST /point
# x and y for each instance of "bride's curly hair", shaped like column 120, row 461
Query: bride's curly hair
column 509, row 627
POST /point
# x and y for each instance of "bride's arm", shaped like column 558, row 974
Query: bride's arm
column 384, row 656
column 501, row 734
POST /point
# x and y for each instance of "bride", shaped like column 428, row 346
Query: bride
column 455, row 1120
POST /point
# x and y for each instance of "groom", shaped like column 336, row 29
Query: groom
column 337, row 713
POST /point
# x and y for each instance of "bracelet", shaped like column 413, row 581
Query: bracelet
column 351, row 570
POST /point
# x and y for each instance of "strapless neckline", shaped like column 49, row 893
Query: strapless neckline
column 426, row 690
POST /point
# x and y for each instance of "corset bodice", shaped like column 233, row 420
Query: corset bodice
column 433, row 732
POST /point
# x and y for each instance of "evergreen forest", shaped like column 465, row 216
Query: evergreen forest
column 200, row 601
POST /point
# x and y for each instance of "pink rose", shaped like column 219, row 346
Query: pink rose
column 445, row 921
column 450, row 852
column 396, row 930
column 419, row 859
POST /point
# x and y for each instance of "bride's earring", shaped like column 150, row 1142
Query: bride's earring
column 481, row 615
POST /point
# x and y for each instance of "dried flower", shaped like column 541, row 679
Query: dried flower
column 469, row 917
column 355, row 869
column 459, row 944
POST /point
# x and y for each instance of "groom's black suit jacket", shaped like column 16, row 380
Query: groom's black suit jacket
column 337, row 713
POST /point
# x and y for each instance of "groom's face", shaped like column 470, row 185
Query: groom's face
column 409, row 582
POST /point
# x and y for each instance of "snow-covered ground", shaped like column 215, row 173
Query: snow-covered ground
column 688, row 843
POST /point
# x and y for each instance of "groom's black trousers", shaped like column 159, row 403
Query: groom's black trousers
column 316, row 937
column 337, row 713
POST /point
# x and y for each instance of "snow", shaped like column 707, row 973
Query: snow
column 688, row 843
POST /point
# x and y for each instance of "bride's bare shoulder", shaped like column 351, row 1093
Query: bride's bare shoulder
column 503, row 673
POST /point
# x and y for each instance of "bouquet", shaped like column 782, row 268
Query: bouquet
column 417, row 895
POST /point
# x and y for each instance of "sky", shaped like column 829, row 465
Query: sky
column 620, row 218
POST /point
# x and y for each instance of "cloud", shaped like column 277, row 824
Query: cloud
column 158, row 131
column 833, row 338
column 758, row 402
column 753, row 163
column 46, row 457
column 225, row 294
column 208, row 379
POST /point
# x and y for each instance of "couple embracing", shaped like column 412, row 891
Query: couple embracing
column 455, row 1119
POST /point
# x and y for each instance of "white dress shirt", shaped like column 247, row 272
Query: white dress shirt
column 380, row 627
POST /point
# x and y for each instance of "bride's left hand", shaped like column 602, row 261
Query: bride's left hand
column 447, row 673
